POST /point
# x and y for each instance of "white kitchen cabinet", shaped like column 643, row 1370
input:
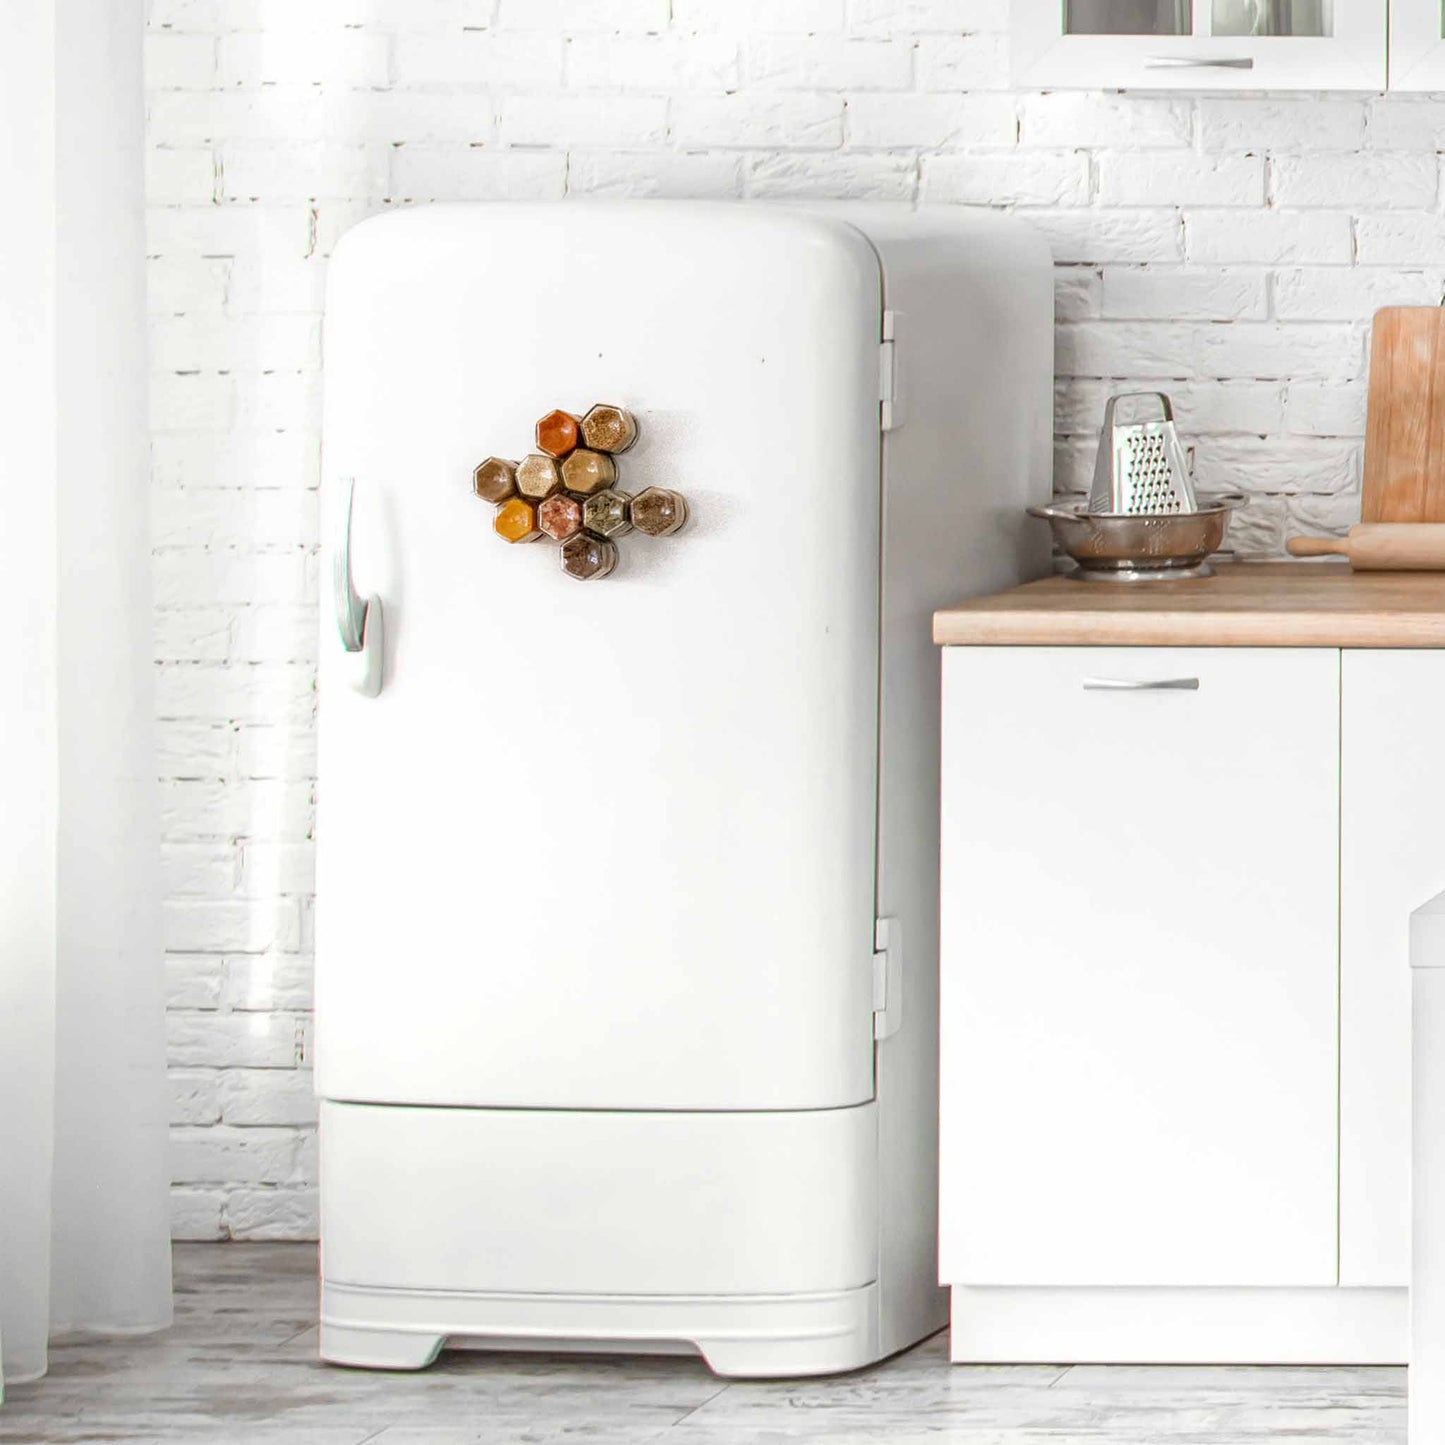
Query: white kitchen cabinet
column 1417, row 45
column 1392, row 859
column 1139, row 971
column 1196, row 45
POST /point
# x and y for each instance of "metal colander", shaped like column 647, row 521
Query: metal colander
column 1141, row 469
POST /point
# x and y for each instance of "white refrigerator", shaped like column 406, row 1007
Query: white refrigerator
column 627, row 886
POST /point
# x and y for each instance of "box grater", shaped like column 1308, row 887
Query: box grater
column 1141, row 467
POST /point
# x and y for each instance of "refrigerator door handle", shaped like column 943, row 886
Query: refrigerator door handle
column 358, row 622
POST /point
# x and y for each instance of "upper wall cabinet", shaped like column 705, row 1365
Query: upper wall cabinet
column 1417, row 45
column 1216, row 44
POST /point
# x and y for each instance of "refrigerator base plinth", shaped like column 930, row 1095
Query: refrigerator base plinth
column 743, row 1336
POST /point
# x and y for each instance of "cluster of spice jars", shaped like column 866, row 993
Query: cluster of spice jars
column 564, row 490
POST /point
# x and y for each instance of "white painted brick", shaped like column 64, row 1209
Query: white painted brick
column 196, row 1214
column 748, row 121
column 235, row 459
column 1081, row 236
column 1228, row 293
column 233, row 516
column 1315, row 408
column 281, row 399
column 259, row 809
column 479, row 60
column 949, row 17
column 471, row 173
column 217, row 1040
column 249, row 692
column 1083, row 118
column 252, row 1097
column 1008, row 178
column 300, row 171
column 1258, row 530
column 834, row 175
column 1295, row 464
column 929, row 122
column 1077, row 292
column 190, row 287
column 1163, row 178
column 285, row 751
column 192, row 403
column 567, row 15
column 194, row 750
column 1247, row 350
column 269, row 869
column 1200, row 407
column 321, row 56
column 181, row 176
column 586, row 120
column 200, row 870
column 1374, row 179
column 747, row 17
column 653, row 62
column 281, row 1213
column 686, row 174
column 1267, row 237
column 195, row 1097
column 1312, row 515
column 1282, row 126
column 193, row 981
column 222, row 1155
column 262, row 982
column 186, row 343
column 1354, row 293
column 179, row 62
column 243, row 925
column 274, row 633
column 828, row 62
column 962, row 62
column 1406, row 122
column 1400, row 239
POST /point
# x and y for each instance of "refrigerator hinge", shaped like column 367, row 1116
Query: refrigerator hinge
column 887, row 977
column 890, row 401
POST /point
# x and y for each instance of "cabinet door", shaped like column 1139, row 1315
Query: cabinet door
column 1417, row 45
column 1392, row 859
column 1202, row 44
column 1140, row 966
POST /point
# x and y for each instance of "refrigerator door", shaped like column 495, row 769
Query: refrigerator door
column 606, row 844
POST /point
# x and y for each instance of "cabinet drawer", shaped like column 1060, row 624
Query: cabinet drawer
column 1139, row 970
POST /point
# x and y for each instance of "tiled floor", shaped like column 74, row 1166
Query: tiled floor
column 239, row 1366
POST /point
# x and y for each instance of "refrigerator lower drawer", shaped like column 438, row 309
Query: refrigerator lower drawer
column 594, row 1202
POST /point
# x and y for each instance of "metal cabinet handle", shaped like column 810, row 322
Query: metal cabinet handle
column 1201, row 62
column 1129, row 684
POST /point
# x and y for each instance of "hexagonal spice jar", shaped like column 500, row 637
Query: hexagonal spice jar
column 557, row 433
column 658, row 512
column 587, row 558
column 606, row 513
column 560, row 516
column 538, row 477
column 495, row 480
column 609, row 429
column 586, row 471
column 516, row 521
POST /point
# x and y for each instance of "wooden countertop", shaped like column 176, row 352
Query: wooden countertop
column 1245, row 604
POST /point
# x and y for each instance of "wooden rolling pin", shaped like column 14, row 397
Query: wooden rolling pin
column 1382, row 546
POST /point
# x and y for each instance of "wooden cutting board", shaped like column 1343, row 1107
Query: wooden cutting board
column 1405, row 427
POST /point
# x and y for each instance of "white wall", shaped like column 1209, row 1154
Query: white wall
column 1231, row 250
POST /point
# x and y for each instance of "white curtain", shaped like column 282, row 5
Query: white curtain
column 83, row 1217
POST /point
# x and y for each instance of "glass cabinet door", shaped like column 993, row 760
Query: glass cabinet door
column 1417, row 45
column 1204, row 44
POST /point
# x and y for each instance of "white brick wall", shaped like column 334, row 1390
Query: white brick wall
column 1228, row 249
